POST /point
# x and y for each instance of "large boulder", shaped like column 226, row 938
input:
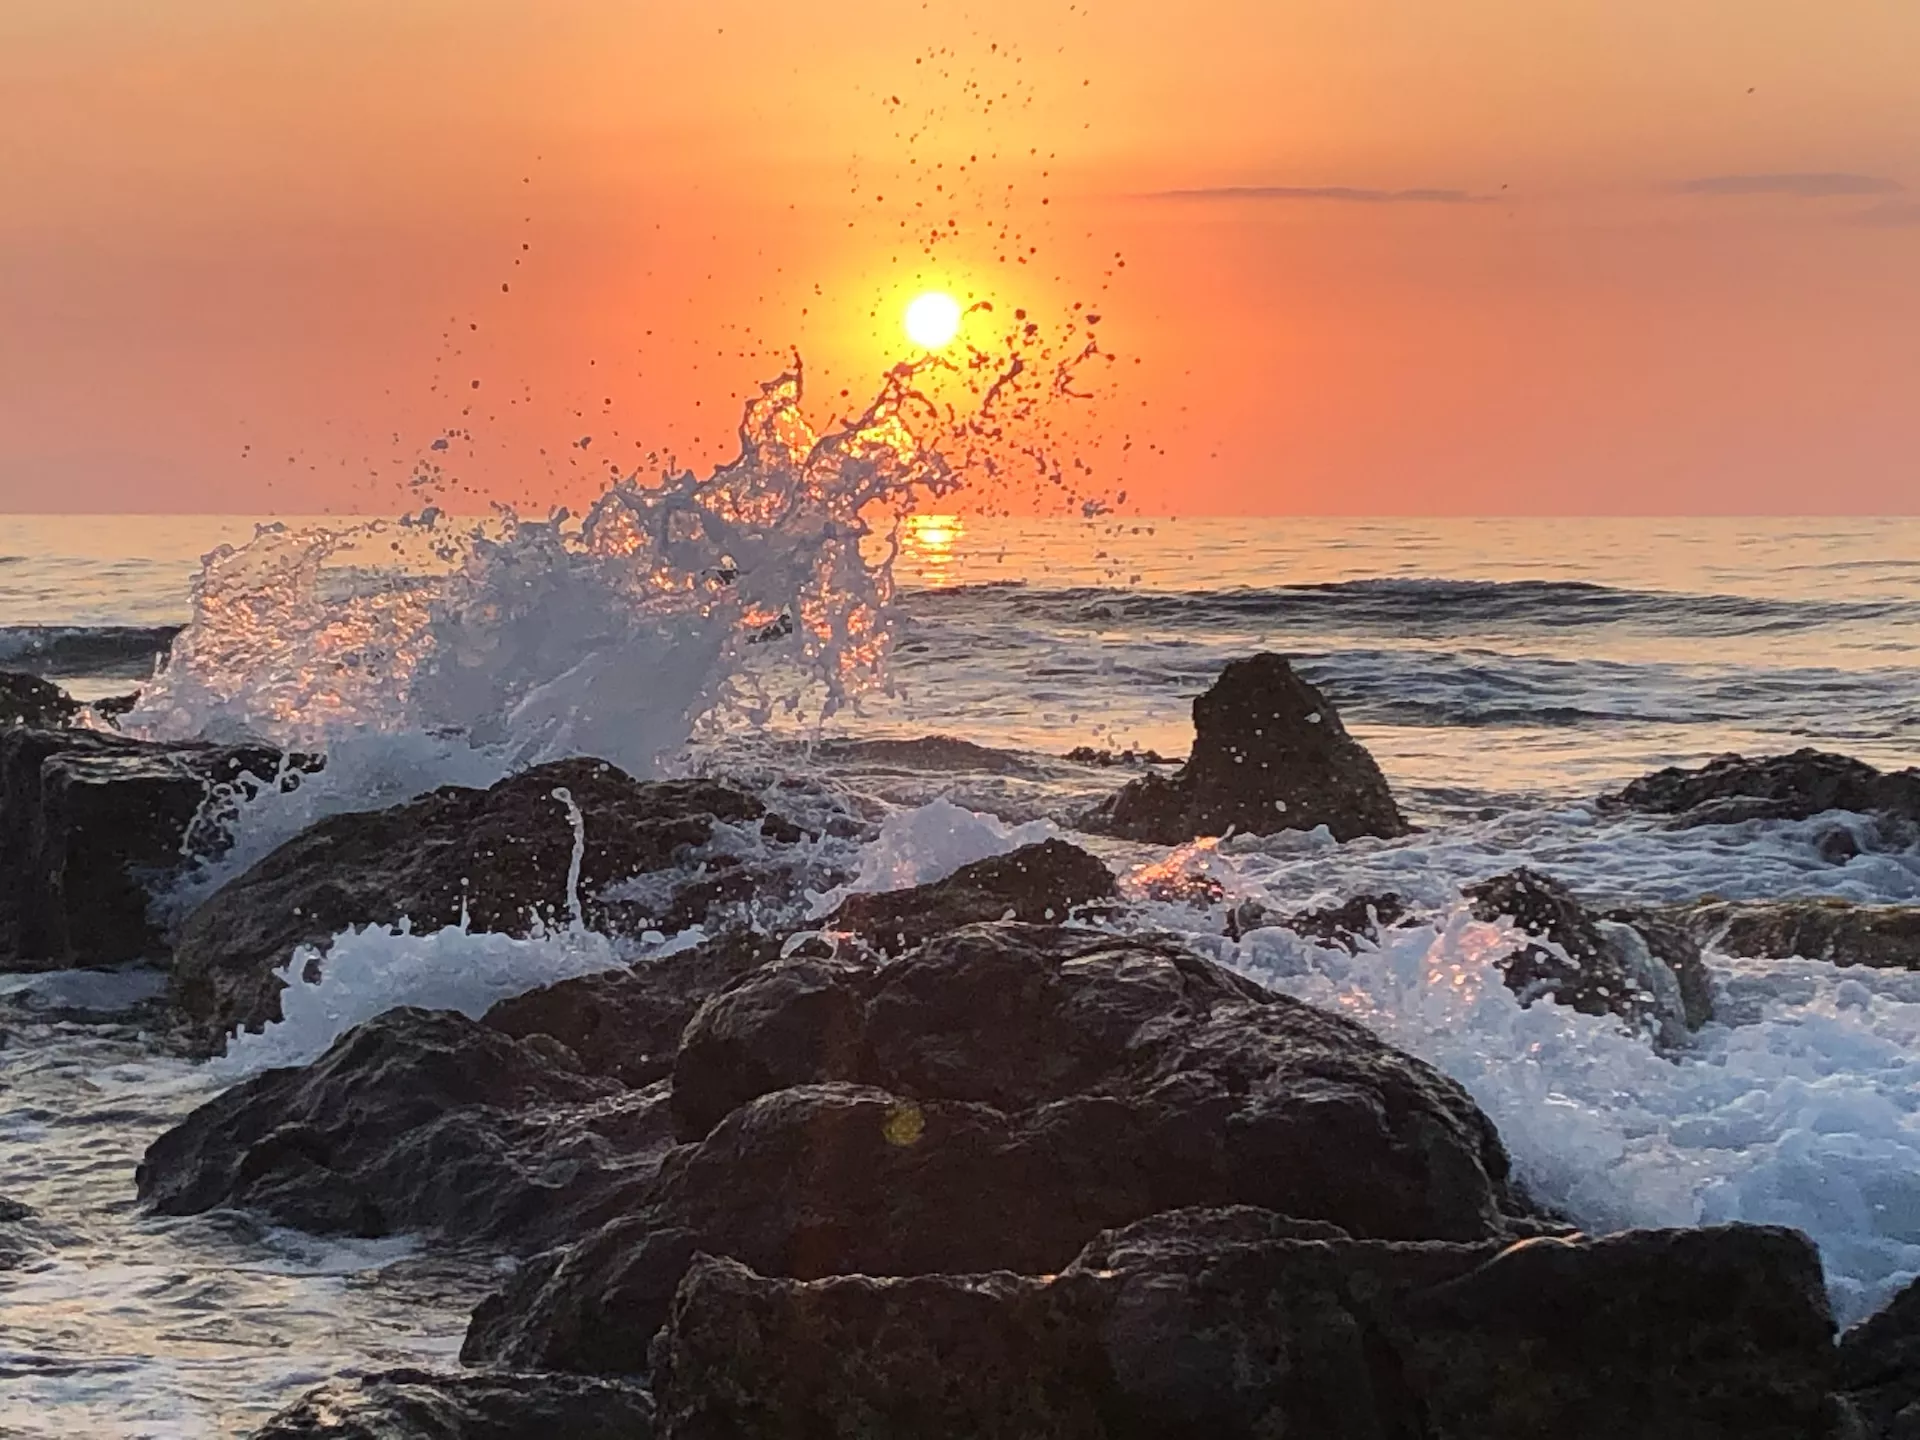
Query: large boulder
column 1733, row 788
column 501, row 856
column 1237, row 1324
column 1644, row 970
column 39, row 704
column 91, row 825
column 418, row 1121
column 1880, row 1368
column 1041, row 884
column 422, row 1405
column 991, row 1101
column 1838, row 931
column 1269, row 754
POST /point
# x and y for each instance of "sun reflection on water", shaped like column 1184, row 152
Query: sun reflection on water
column 929, row 544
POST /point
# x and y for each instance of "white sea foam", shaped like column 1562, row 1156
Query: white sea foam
column 367, row 972
column 929, row 843
column 1805, row 1112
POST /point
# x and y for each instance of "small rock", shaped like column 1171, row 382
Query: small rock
column 30, row 701
column 1733, row 789
column 421, row 1405
column 1041, row 884
column 1269, row 754
column 1640, row 975
column 1838, row 931
column 90, row 825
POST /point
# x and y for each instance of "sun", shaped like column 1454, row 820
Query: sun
column 933, row 319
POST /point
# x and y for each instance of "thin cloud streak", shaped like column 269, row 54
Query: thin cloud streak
column 1891, row 215
column 1810, row 186
column 1345, row 194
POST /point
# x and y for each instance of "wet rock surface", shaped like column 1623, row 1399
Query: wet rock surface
column 1346, row 925
column 90, row 825
column 1882, row 936
column 502, row 853
column 626, row 1025
column 1269, row 754
column 1236, row 1323
column 418, row 1121
column 24, row 1236
column 1041, row 884
column 423, row 1405
column 30, row 701
column 991, row 1101
column 1879, row 1369
column 1639, row 969
column 1733, row 788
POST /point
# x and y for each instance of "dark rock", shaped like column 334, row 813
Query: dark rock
column 1671, row 944
column 789, row 1023
column 1842, row 933
column 1345, row 925
column 1107, row 759
column 626, row 1024
column 25, row 1237
column 1880, row 1368
column 1590, row 963
column 1040, row 1085
column 1039, row 884
column 1236, row 1326
column 421, row 1405
column 40, row 704
column 417, row 1121
column 91, row 825
column 502, row 853
column 1808, row 782
column 1269, row 754
column 923, row 753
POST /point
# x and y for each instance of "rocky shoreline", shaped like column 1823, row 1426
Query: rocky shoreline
column 982, row 1157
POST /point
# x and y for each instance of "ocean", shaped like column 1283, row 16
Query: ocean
column 1504, row 673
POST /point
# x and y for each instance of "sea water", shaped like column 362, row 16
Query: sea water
column 1504, row 672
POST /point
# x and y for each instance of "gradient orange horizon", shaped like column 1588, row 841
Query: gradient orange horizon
column 1351, row 256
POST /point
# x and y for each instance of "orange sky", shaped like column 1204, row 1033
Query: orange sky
column 1504, row 256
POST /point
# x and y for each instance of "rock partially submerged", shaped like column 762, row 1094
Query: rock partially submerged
column 1235, row 1323
column 1641, row 970
column 500, row 856
column 1041, row 884
column 1733, row 789
column 1269, row 754
column 35, row 703
column 422, row 1405
column 1838, row 931
column 418, row 1121
column 991, row 1101
column 24, row 1236
column 91, row 825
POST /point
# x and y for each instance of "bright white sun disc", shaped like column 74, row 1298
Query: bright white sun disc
column 933, row 319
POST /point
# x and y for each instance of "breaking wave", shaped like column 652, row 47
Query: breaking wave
column 1431, row 606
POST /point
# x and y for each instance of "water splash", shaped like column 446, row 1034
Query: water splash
column 751, row 590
